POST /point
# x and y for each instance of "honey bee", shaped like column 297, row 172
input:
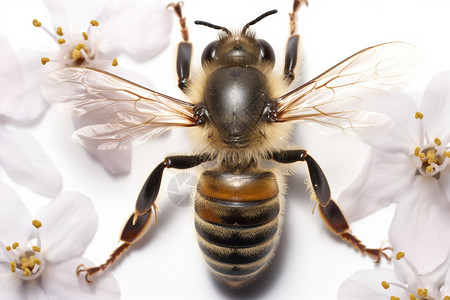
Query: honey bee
column 242, row 119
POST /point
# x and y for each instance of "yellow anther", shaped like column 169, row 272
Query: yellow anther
column 80, row 46
column 8, row 248
column 385, row 285
column 76, row 54
column 421, row 155
column 36, row 23
column 13, row 266
column 61, row 41
column 437, row 141
column 114, row 62
column 45, row 60
column 429, row 169
column 399, row 255
column 15, row 245
column 422, row 292
column 94, row 23
column 59, row 31
column 412, row 297
column 446, row 298
column 394, row 298
column 37, row 261
column 27, row 272
column 36, row 249
column 85, row 36
column 417, row 151
column 36, row 224
column 419, row 115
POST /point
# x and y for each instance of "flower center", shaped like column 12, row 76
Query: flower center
column 420, row 293
column 75, row 51
column 430, row 157
column 26, row 261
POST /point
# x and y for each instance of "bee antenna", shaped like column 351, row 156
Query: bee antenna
column 266, row 14
column 212, row 26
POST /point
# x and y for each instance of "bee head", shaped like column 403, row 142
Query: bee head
column 238, row 48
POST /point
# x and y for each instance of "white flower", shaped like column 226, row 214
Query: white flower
column 408, row 165
column 39, row 257
column 21, row 155
column 92, row 34
column 403, row 282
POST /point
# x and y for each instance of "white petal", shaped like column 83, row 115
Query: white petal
column 421, row 223
column 33, row 290
column 10, row 285
column 444, row 180
column 11, row 80
column 383, row 179
column 60, row 282
column 435, row 106
column 403, row 136
column 25, row 161
column 139, row 28
column 446, row 286
column 366, row 285
column 69, row 223
column 15, row 220
column 74, row 15
column 31, row 104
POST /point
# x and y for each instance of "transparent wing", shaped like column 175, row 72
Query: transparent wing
column 124, row 111
column 333, row 101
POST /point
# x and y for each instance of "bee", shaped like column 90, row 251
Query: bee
column 242, row 118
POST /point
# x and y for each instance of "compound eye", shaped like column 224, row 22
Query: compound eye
column 266, row 52
column 209, row 53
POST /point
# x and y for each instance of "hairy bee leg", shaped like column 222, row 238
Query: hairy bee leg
column 336, row 222
column 132, row 231
column 319, row 181
column 184, row 52
column 290, row 60
column 150, row 189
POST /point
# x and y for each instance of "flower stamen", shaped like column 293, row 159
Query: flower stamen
column 26, row 262
column 59, row 31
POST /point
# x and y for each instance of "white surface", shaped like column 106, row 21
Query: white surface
column 310, row 262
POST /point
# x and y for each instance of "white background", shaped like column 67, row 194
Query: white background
column 310, row 263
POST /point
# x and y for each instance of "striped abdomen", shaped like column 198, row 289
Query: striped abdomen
column 237, row 218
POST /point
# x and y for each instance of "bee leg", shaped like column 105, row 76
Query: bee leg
column 139, row 222
column 184, row 52
column 336, row 222
column 319, row 182
column 290, row 60
column 134, row 229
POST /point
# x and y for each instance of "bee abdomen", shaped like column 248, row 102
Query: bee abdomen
column 237, row 223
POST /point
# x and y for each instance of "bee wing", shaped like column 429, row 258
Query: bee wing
column 333, row 101
column 128, row 112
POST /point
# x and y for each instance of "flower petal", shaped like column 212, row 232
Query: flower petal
column 444, row 180
column 10, row 285
column 403, row 136
column 374, row 187
column 31, row 105
column 145, row 34
column 25, row 161
column 15, row 220
column 33, row 290
column 10, row 78
column 69, row 223
column 420, row 224
column 366, row 285
column 435, row 106
column 74, row 15
column 60, row 282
